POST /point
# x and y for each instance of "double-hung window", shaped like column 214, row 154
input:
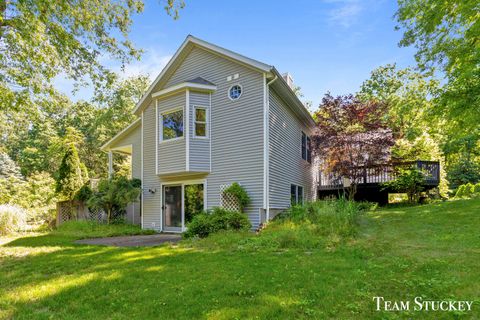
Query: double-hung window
column 306, row 148
column 200, row 122
column 172, row 125
column 296, row 194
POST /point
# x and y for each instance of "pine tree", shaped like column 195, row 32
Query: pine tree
column 70, row 177
column 8, row 168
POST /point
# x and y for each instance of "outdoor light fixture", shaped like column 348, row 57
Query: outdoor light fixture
column 152, row 190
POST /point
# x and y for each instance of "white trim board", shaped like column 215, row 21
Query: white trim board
column 142, row 208
column 186, row 129
column 121, row 133
column 182, row 183
column 184, row 86
column 193, row 41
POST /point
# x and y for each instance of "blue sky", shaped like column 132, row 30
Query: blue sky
column 327, row 45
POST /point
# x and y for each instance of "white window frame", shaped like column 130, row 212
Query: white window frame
column 161, row 124
column 207, row 125
column 183, row 183
column 230, row 88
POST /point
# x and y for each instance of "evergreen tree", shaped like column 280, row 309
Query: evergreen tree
column 8, row 168
column 70, row 177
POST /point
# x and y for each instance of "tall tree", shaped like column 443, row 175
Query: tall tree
column 407, row 94
column 349, row 134
column 40, row 40
column 446, row 35
column 8, row 168
column 70, row 177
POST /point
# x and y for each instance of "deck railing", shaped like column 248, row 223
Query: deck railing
column 375, row 175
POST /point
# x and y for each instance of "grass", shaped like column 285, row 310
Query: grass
column 399, row 253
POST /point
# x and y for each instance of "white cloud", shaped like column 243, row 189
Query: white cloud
column 345, row 12
column 151, row 64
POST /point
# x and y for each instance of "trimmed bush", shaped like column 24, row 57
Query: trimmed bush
column 206, row 223
column 12, row 218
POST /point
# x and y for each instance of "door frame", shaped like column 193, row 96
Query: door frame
column 181, row 183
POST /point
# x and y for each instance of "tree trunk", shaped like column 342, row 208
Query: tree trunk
column 109, row 213
column 351, row 191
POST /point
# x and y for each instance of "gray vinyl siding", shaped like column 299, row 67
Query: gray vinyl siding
column 199, row 147
column 133, row 139
column 236, row 126
column 286, row 165
column 171, row 154
column 151, row 201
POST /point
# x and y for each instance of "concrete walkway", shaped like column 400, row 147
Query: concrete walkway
column 133, row 241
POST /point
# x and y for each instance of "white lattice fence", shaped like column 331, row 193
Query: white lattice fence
column 96, row 215
column 227, row 200
column 66, row 211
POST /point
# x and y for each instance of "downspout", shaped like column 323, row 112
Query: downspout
column 267, row 147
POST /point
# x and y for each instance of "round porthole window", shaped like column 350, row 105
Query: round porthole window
column 235, row 92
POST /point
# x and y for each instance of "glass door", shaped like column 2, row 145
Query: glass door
column 172, row 208
column 193, row 204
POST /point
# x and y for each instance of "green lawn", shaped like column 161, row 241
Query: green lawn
column 431, row 251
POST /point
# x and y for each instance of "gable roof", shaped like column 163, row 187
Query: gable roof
column 200, row 80
column 282, row 88
column 125, row 132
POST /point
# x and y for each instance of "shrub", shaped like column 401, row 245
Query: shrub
column 240, row 194
column 113, row 194
column 467, row 190
column 36, row 195
column 12, row 218
column 408, row 181
column 84, row 193
column 460, row 191
column 206, row 223
column 476, row 189
column 315, row 224
column 463, row 171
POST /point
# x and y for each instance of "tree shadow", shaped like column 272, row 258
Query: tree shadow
column 163, row 282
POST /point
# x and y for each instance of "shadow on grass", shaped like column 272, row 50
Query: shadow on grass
column 397, row 257
column 170, row 283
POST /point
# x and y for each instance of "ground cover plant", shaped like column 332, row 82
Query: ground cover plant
column 399, row 253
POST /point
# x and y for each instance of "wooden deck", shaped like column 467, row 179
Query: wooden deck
column 375, row 176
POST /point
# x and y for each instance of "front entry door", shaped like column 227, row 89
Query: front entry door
column 172, row 208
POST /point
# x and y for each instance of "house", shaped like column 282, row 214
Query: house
column 213, row 117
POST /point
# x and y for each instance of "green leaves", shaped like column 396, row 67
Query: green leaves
column 407, row 94
column 240, row 194
column 446, row 35
column 114, row 193
column 70, row 176
column 42, row 40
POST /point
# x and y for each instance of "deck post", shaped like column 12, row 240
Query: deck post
column 110, row 164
